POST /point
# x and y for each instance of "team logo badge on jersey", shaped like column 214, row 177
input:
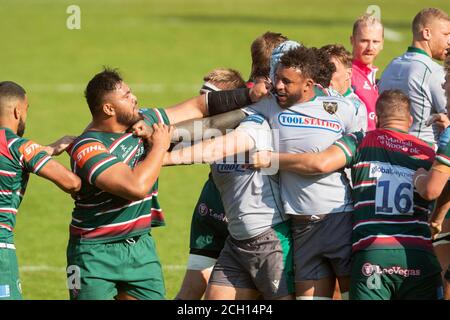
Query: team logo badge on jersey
column 203, row 209
column 330, row 106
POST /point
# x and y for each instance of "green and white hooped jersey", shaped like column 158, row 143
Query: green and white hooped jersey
column 250, row 197
column 18, row 157
column 311, row 127
column 389, row 213
column 102, row 217
column 421, row 79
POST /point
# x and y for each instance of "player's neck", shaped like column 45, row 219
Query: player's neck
column 398, row 125
column 109, row 125
column 9, row 124
column 423, row 45
column 307, row 96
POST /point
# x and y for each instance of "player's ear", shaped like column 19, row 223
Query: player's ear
column 410, row 121
column 16, row 112
column 108, row 109
column 426, row 34
column 377, row 122
column 309, row 83
column 349, row 73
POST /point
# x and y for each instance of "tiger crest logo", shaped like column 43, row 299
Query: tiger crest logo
column 330, row 107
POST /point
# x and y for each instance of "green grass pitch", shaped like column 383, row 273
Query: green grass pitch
column 163, row 48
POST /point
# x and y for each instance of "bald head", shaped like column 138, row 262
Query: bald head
column 393, row 107
column 10, row 94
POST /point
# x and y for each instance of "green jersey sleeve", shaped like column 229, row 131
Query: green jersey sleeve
column 31, row 155
column 154, row 115
column 90, row 158
column 349, row 144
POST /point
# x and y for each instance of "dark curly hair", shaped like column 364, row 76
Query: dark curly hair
column 101, row 84
column 312, row 62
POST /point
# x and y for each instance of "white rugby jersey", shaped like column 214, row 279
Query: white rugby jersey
column 421, row 79
column 311, row 127
column 251, row 198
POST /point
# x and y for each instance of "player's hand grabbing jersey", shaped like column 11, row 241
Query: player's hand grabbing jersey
column 99, row 216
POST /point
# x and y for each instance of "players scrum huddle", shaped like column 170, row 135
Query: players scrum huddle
column 325, row 183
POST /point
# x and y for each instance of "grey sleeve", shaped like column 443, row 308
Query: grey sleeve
column 259, row 131
column 437, row 93
column 266, row 107
column 350, row 119
column 193, row 130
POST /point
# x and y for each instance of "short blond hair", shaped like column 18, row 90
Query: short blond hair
column 366, row 20
column 424, row 18
column 225, row 78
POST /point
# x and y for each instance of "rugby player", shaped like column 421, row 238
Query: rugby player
column 110, row 244
column 341, row 80
column 18, row 158
column 209, row 225
column 393, row 255
column 309, row 120
column 417, row 75
column 256, row 259
column 431, row 185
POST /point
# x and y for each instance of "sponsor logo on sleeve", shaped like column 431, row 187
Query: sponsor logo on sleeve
column 30, row 149
column 88, row 151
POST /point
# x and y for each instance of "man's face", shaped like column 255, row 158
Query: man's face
column 340, row 80
column 23, row 107
column 289, row 86
column 367, row 43
column 440, row 38
column 125, row 105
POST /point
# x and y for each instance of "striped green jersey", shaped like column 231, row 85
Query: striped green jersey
column 100, row 216
column 388, row 212
column 18, row 157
